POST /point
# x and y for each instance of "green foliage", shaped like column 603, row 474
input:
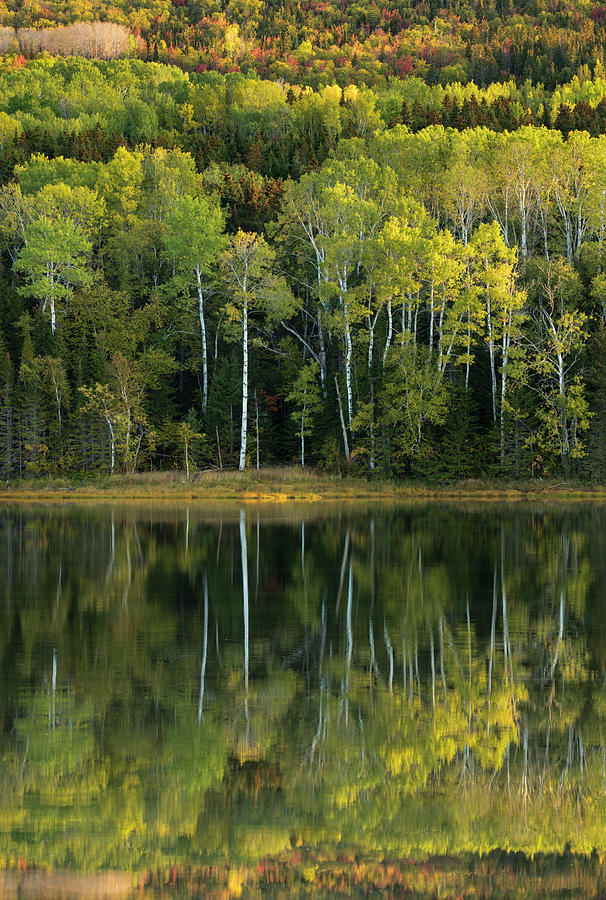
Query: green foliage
column 54, row 262
column 414, row 397
column 452, row 246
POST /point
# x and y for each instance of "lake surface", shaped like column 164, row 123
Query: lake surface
column 301, row 700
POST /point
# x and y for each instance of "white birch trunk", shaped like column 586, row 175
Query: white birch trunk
column 244, row 426
column 389, row 331
column 493, row 376
column 203, row 340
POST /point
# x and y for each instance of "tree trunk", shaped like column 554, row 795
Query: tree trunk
column 203, row 339
column 218, row 446
column 563, row 424
column 244, row 426
column 348, row 358
column 112, row 443
column 343, row 428
column 493, row 374
column 389, row 331
column 322, row 354
column 504, row 363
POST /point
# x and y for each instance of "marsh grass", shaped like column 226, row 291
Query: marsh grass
column 286, row 483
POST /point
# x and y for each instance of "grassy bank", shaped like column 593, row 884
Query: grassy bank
column 284, row 484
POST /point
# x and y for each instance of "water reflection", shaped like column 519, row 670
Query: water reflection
column 185, row 687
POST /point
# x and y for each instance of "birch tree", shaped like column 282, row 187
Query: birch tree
column 465, row 180
column 253, row 286
column 53, row 261
column 414, row 396
column 571, row 167
column 193, row 242
column 494, row 273
column 555, row 346
column 305, row 396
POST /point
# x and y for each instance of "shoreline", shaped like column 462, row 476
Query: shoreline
column 286, row 486
column 321, row 873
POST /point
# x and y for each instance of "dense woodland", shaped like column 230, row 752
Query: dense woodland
column 319, row 42
column 388, row 269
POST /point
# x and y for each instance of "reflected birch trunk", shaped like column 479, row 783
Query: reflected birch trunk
column 433, row 670
column 442, row 672
column 389, row 646
column 112, row 556
column 560, row 635
column 492, row 634
column 506, row 643
column 373, row 659
column 219, row 542
column 204, row 650
column 244, row 553
column 53, row 704
column 342, row 575
column 349, row 632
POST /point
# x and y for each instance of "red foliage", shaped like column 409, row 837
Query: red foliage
column 270, row 400
column 404, row 66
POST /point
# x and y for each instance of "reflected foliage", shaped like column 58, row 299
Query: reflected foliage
column 396, row 683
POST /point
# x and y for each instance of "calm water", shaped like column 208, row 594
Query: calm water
column 304, row 699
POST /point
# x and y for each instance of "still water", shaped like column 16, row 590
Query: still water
column 295, row 701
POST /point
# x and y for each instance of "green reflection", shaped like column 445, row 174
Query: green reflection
column 217, row 688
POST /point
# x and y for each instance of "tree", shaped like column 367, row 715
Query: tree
column 564, row 413
column 6, row 411
column 555, row 344
column 16, row 214
column 49, row 373
column 120, row 404
column 54, row 262
column 571, row 172
column 99, row 400
column 193, row 242
column 465, row 180
column 305, row 395
column 493, row 266
column 83, row 207
column 187, row 436
column 414, row 395
column 252, row 285
column 120, row 183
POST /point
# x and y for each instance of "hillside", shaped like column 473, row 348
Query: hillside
column 360, row 238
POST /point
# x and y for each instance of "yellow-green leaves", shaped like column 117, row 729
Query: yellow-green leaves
column 54, row 262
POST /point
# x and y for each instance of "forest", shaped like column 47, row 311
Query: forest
column 396, row 276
